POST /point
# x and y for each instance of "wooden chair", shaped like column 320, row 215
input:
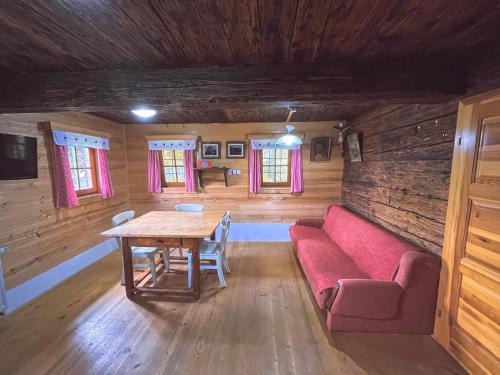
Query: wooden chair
column 141, row 252
column 187, row 207
column 214, row 251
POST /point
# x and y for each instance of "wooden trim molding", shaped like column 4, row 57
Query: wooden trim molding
column 442, row 326
column 458, row 210
column 271, row 135
column 488, row 96
column 51, row 125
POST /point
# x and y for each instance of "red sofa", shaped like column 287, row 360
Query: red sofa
column 366, row 278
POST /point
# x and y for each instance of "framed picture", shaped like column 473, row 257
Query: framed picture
column 235, row 150
column 354, row 149
column 321, row 149
column 210, row 150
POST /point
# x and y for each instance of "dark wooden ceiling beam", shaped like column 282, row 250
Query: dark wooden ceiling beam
column 101, row 91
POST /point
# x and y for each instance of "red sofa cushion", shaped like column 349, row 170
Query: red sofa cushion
column 375, row 251
column 305, row 232
column 323, row 262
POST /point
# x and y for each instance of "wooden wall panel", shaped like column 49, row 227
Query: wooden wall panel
column 39, row 236
column 322, row 180
column 403, row 181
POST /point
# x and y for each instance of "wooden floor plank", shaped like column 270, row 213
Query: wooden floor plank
column 265, row 322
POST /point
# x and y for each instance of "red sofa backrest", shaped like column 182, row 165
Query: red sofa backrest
column 375, row 251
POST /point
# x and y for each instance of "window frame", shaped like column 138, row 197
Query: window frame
column 164, row 182
column 275, row 184
column 93, row 172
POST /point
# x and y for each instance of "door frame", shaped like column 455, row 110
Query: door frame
column 458, row 209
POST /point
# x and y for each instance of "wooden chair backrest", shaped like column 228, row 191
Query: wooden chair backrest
column 226, row 224
column 123, row 217
column 119, row 219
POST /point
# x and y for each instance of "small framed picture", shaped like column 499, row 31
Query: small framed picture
column 235, row 150
column 210, row 150
column 321, row 149
column 354, row 149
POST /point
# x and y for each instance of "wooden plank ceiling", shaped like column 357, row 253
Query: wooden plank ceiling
column 258, row 113
column 73, row 36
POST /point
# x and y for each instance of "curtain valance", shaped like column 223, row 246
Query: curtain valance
column 172, row 144
column 64, row 138
column 259, row 144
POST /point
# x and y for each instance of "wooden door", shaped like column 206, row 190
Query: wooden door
column 468, row 308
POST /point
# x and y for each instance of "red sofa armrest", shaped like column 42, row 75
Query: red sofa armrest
column 412, row 264
column 366, row 299
column 310, row 222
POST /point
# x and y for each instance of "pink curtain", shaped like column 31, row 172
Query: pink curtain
column 105, row 184
column 189, row 181
column 154, row 171
column 65, row 190
column 296, row 183
column 254, row 171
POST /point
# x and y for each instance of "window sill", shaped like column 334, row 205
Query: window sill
column 275, row 190
column 90, row 198
column 176, row 189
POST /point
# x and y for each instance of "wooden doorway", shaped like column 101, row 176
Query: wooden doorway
column 468, row 313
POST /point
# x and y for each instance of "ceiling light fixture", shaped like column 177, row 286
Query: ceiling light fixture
column 144, row 112
column 290, row 140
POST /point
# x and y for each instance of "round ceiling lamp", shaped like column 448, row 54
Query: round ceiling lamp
column 144, row 112
column 289, row 140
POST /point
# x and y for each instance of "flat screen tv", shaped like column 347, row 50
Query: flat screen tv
column 18, row 157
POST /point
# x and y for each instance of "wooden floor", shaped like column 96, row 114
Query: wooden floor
column 263, row 323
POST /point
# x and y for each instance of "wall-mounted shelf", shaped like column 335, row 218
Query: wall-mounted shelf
column 201, row 171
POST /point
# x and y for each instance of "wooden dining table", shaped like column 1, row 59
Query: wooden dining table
column 165, row 229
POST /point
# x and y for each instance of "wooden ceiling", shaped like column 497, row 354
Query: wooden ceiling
column 64, row 35
column 258, row 113
column 74, row 36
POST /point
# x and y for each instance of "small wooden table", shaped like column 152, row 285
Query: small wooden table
column 200, row 171
column 165, row 229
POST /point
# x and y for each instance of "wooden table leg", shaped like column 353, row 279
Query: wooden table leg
column 128, row 271
column 196, row 281
column 225, row 176
column 200, row 178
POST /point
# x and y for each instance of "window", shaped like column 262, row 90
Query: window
column 83, row 170
column 275, row 167
column 173, row 167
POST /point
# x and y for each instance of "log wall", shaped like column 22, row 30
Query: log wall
column 402, row 183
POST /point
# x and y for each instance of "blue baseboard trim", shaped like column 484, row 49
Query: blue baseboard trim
column 25, row 292
column 22, row 294
column 258, row 232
